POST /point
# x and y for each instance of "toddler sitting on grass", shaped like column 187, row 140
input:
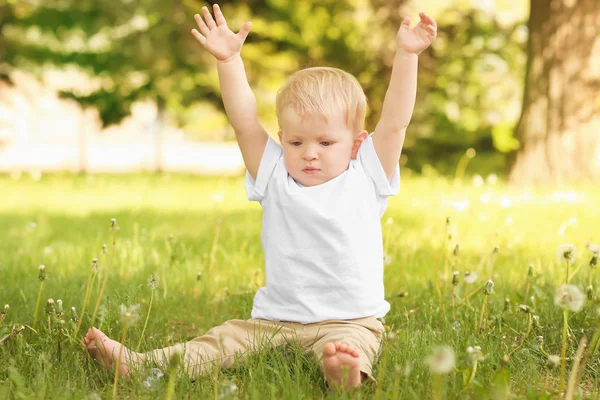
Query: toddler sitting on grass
column 323, row 189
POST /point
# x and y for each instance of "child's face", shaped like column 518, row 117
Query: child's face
column 316, row 151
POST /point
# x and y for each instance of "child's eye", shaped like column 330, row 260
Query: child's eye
column 326, row 143
column 295, row 144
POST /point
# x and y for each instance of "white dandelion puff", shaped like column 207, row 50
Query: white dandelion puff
column 569, row 297
column 470, row 277
column 129, row 314
column 566, row 253
column 441, row 361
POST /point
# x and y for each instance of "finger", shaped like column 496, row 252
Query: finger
column 201, row 25
column 427, row 19
column 209, row 19
column 432, row 30
column 405, row 23
column 199, row 37
column 219, row 15
column 243, row 33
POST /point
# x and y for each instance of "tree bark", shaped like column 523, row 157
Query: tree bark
column 559, row 128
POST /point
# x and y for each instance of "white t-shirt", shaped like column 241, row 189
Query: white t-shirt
column 323, row 244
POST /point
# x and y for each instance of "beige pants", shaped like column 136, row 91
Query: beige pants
column 223, row 344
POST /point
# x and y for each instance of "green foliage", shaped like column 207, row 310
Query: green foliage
column 470, row 82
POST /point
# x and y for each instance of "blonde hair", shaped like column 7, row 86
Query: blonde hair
column 322, row 91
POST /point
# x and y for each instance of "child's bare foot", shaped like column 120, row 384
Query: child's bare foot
column 106, row 350
column 341, row 366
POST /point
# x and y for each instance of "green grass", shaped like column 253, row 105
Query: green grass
column 63, row 220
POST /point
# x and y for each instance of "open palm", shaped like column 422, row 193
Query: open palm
column 216, row 37
column 420, row 37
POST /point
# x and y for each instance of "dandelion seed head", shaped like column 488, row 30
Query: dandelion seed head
column 153, row 282
column 470, row 277
column 441, row 360
column 569, row 297
column 553, row 360
column 129, row 314
column 566, row 253
column 113, row 225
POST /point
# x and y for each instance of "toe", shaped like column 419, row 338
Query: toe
column 344, row 348
column 329, row 349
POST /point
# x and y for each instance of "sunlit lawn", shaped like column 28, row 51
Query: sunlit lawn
column 211, row 266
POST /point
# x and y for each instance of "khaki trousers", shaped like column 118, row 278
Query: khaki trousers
column 235, row 339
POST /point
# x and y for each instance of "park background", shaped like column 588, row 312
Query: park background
column 111, row 109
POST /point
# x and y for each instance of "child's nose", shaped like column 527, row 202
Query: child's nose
column 309, row 154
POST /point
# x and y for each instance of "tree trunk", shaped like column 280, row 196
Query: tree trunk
column 559, row 129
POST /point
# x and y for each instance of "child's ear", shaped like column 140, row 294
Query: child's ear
column 362, row 136
column 280, row 136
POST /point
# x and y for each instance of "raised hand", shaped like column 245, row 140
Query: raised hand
column 216, row 37
column 420, row 37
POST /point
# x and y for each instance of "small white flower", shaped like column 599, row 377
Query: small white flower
column 566, row 253
column 470, row 277
column 441, row 361
column 569, row 297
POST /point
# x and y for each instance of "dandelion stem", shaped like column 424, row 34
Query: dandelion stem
column 147, row 317
column 437, row 387
column 563, row 352
column 37, row 304
column 118, row 363
column 483, row 308
column 473, row 372
column 567, row 278
column 86, row 299
column 105, row 279
column 574, row 370
column 525, row 336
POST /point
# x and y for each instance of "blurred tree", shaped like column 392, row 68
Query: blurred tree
column 142, row 49
column 560, row 121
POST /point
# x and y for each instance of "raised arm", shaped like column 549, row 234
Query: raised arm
column 400, row 97
column 239, row 101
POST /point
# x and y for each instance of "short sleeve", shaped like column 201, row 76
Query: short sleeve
column 367, row 157
column 255, row 189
